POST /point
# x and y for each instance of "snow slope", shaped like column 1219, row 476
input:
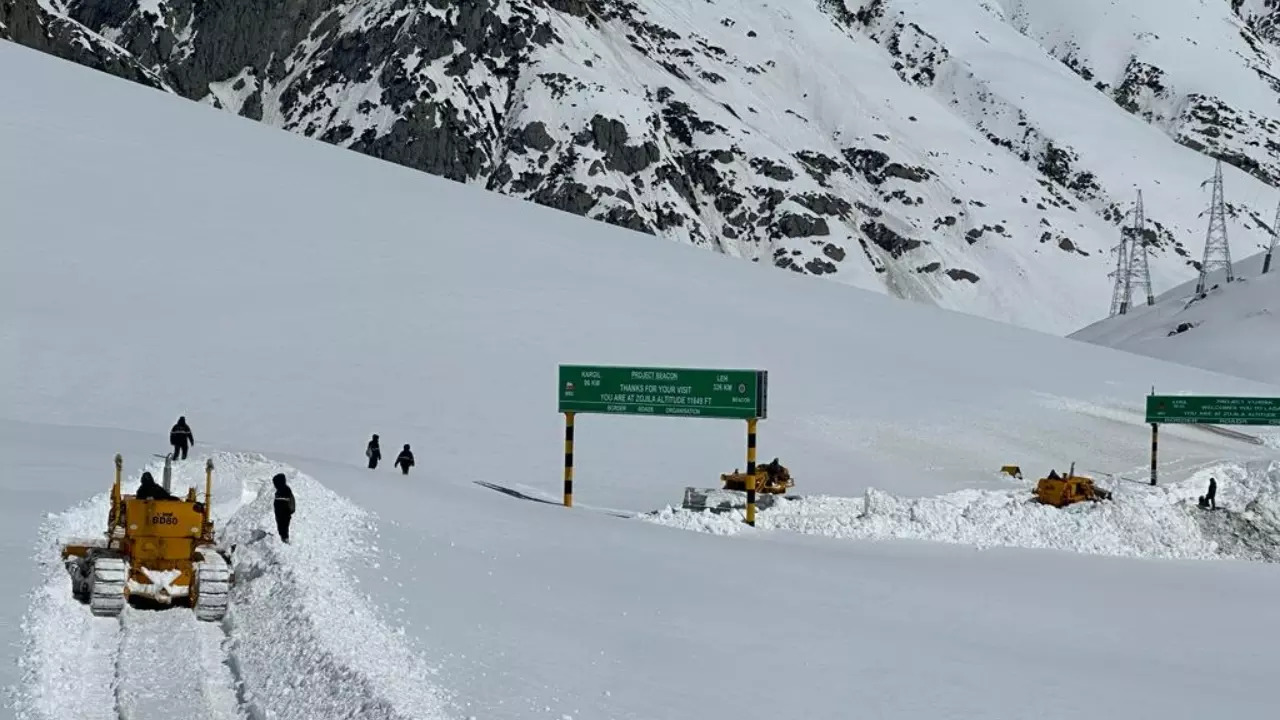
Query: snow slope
column 1234, row 329
column 289, row 322
column 971, row 154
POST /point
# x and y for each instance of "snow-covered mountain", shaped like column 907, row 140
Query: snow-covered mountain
column 1234, row 328
column 975, row 154
column 287, row 335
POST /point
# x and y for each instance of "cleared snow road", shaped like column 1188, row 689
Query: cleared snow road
column 171, row 665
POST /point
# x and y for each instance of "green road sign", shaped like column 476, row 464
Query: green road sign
column 1213, row 410
column 689, row 392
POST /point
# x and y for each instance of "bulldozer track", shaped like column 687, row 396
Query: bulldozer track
column 106, row 586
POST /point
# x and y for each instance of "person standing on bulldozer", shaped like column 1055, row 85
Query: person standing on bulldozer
column 180, row 437
column 404, row 460
column 373, row 452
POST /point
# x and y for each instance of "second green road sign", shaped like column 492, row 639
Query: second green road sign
column 689, row 392
column 1214, row 410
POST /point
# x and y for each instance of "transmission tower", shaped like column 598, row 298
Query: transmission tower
column 1139, row 268
column 1217, row 251
column 1133, row 271
column 1275, row 233
column 1120, row 295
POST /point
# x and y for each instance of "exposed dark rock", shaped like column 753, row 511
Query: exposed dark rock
column 958, row 274
column 890, row 241
column 796, row 226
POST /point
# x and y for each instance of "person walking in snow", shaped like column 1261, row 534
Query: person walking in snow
column 1211, row 497
column 373, row 452
column 180, row 437
column 404, row 460
column 284, row 506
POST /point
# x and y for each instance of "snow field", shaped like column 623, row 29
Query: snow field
column 297, row 641
column 1140, row 520
column 1232, row 330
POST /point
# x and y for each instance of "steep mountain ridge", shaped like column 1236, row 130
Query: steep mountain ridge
column 972, row 154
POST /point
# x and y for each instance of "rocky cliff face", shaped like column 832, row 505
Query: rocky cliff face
column 975, row 154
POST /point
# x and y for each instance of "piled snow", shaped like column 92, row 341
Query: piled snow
column 297, row 642
column 1233, row 329
column 305, row 643
column 1139, row 521
column 68, row 656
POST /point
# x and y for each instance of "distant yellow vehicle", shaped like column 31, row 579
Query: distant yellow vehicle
column 160, row 550
column 1062, row 490
column 771, row 478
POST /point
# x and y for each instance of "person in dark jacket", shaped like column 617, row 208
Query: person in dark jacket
column 1211, row 497
column 180, row 437
column 404, row 460
column 284, row 506
column 151, row 490
column 373, row 452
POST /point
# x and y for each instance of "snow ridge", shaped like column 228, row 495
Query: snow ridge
column 1140, row 521
column 305, row 643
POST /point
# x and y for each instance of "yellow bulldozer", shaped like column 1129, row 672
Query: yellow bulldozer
column 160, row 550
column 1062, row 490
column 772, row 478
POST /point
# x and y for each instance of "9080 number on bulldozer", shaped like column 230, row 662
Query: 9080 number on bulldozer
column 164, row 519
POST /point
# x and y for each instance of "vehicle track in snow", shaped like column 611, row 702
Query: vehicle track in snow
column 169, row 664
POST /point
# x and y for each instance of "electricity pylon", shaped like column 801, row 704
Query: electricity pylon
column 1133, row 271
column 1217, row 251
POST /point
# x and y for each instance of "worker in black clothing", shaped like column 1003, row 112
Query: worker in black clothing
column 1211, row 497
column 284, row 506
column 373, row 452
column 180, row 437
column 151, row 490
column 404, row 460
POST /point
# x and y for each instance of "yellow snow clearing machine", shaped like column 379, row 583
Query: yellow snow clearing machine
column 771, row 481
column 161, row 550
column 772, row 478
column 1062, row 490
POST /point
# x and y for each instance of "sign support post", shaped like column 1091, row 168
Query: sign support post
column 1155, row 444
column 568, row 459
column 751, row 471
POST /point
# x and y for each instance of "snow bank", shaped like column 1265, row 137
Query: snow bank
column 68, row 655
column 1141, row 521
column 305, row 643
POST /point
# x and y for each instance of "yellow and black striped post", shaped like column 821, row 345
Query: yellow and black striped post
column 568, row 459
column 1155, row 444
column 751, row 472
